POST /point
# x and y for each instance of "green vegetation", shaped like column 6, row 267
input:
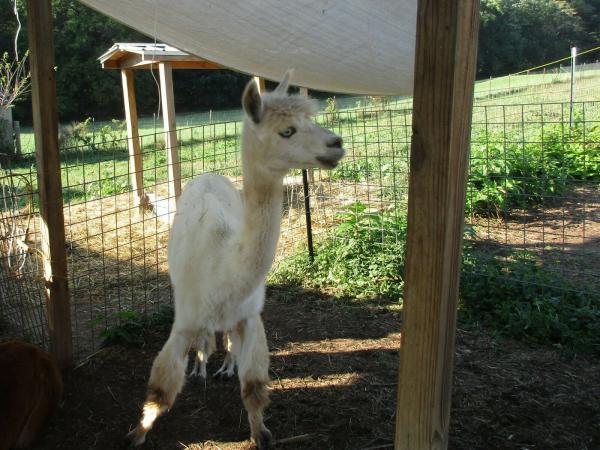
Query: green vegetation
column 518, row 34
column 130, row 327
column 364, row 257
column 509, row 172
column 514, row 294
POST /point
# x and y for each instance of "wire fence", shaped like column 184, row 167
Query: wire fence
column 532, row 193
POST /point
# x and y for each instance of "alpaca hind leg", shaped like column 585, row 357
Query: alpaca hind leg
column 166, row 381
column 204, row 346
column 227, row 369
column 253, row 371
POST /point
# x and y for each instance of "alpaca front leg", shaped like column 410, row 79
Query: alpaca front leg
column 166, row 381
column 253, row 372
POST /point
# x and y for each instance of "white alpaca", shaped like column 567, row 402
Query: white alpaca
column 222, row 245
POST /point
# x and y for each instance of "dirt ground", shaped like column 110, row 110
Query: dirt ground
column 334, row 368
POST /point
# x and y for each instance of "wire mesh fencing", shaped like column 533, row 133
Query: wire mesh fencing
column 533, row 208
column 22, row 306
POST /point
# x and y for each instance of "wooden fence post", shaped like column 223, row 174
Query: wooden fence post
column 133, row 139
column 168, row 106
column 45, row 123
column 444, row 78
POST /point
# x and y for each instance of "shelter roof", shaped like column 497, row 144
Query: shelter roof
column 124, row 55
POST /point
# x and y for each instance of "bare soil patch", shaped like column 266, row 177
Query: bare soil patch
column 564, row 233
column 334, row 368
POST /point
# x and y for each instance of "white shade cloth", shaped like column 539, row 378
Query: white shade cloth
column 346, row 46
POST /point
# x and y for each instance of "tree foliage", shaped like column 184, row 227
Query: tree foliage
column 516, row 34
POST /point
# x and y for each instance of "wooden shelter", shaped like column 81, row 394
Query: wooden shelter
column 444, row 72
column 128, row 57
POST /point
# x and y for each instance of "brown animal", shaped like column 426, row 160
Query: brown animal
column 30, row 390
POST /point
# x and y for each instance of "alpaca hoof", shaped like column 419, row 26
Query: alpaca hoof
column 263, row 440
column 135, row 437
column 197, row 374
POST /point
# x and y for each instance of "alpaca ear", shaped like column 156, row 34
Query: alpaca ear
column 252, row 102
column 283, row 86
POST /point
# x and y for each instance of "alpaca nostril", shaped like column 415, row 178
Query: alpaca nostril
column 335, row 142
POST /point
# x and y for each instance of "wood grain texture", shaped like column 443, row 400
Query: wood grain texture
column 444, row 72
column 168, row 106
column 133, row 136
column 45, row 124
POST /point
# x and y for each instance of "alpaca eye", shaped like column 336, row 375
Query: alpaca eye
column 287, row 133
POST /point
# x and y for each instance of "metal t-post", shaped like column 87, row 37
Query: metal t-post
column 309, row 236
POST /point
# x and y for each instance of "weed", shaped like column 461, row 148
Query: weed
column 85, row 134
column 131, row 326
column 515, row 295
column 363, row 258
column 507, row 173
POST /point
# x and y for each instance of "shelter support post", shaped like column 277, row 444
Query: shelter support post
column 168, row 107
column 52, row 226
column 133, row 139
column 445, row 59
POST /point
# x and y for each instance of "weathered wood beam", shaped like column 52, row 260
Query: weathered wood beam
column 446, row 50
column 170, row 126
column 133, row 139
column 52, row 226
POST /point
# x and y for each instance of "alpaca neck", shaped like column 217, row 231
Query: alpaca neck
column 263, row 202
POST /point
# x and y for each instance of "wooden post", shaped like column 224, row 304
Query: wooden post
column 168, row 106
column 133, row 139
column 52, row 227
column 261, row 84
column 444, row 75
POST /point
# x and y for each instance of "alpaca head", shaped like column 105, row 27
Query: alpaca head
column 282, row 133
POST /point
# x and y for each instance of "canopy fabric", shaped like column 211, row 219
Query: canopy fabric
column 345, row 46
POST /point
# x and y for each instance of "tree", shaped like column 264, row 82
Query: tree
column 524, row 33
